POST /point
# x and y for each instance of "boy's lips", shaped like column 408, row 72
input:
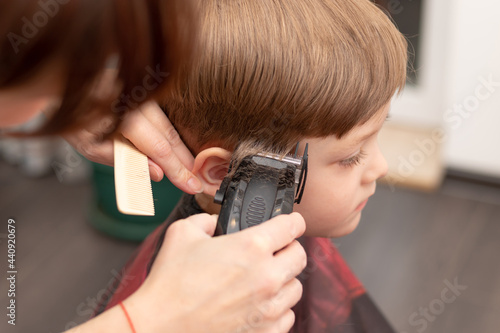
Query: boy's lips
column 361, row 206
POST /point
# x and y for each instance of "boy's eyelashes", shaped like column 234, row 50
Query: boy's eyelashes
column 354, row 160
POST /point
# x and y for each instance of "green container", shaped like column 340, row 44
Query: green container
column 103, row 213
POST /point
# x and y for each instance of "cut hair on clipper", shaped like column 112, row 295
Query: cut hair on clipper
column 260, row 187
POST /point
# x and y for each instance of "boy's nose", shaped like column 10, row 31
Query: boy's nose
column 376, row 169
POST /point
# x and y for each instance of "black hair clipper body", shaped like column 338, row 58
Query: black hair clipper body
column 262, row 187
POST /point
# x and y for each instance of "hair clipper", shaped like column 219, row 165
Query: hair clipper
column 262, row 187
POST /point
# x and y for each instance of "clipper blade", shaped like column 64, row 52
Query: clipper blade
column 262, row 187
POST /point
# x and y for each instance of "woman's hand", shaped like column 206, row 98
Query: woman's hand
column 149, row 129
column 243, row 282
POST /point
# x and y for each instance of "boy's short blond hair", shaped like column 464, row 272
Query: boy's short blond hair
column 276, row 71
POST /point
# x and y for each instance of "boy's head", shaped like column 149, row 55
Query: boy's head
column 272, row 73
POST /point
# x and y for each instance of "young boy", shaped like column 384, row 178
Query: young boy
column 273, row 73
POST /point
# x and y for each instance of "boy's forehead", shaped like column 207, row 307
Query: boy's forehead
column 351, row 142
column 368, row 129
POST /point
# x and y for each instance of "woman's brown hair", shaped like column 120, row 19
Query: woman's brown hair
column 274, row 72
column 148, row 37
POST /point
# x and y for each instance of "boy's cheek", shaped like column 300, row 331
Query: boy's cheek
column 331, row 216
column 332, row 228
column 314, row 220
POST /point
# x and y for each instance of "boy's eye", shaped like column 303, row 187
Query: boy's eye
column 352, row 161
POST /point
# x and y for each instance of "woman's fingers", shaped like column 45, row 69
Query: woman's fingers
column 205, row 222
column 252, row 287
column 275, row 314
column 280, row 316
column 271, row 235
column 286, row 322
column 275, row 307
column 157, row 117
column 149, row 129
column 155, row 171
column 290, row 261
column 149, row 140
column 90, row 145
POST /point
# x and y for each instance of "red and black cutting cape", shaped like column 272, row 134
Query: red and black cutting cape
column 333, row 299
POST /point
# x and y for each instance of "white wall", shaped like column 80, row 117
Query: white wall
column 460, row 54
column 423, row 104
column 474, row 143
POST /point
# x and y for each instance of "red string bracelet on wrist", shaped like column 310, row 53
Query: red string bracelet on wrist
column 128, row 317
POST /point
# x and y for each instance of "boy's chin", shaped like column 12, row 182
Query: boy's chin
column 341, row 229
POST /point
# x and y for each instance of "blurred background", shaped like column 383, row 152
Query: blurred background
column 428, row 241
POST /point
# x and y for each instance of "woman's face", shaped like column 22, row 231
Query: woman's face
column 20, row 103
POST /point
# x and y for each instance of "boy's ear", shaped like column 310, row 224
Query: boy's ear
column 211, row 166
